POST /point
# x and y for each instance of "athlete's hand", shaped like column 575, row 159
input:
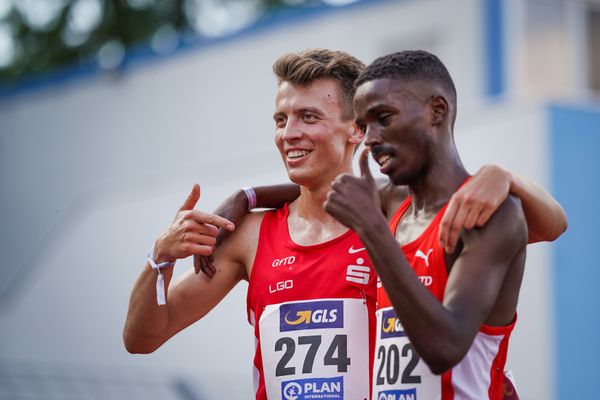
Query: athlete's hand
column 233, row 209
column 191, row 232
column 352, row 200
column 474, row 203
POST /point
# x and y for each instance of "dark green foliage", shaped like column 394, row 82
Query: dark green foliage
column 43, row 51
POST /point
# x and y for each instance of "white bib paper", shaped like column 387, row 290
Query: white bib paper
column 399, row 373
column 316, row 349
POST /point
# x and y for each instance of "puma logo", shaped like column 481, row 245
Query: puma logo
column 424, row 256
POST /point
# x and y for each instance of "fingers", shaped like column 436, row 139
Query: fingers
column 197, row 264
column 200, row 216
column 208, row 266
column 471, row 218
column 484, row 216
column 447, row 221
column 459, row 214
column 463, row 212
column 365, row 171
column 204, row 264
column 211, row 219
column 192, row 199
column 197, row 249
column 193, row 237
column 191, row 225
column 453, row 230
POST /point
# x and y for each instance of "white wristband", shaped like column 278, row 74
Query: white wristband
column 251, row 196
column 160, row 280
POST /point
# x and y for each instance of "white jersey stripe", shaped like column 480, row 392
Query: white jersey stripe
column 467, row 378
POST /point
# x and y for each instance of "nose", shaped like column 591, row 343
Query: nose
column 291, row 130
column 372, row 136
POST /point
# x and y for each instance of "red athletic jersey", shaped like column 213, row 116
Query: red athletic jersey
column 399, row 373
column 313, row 312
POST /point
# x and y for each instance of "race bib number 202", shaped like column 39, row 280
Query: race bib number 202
column 316, row 350
column 399, row 372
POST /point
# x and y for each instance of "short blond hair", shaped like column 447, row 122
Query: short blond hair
column 310, row 65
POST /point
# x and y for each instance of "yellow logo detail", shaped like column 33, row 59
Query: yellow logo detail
column 390, row 327
column 303, row 317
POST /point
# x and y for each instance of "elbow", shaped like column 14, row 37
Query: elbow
column 559, row 228
column 442, row 360
column 134, row 345
column 438, row 367
column 562, row 225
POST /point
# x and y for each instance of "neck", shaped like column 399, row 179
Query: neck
column 443, row 177
column 308, row 222
column 309, row 206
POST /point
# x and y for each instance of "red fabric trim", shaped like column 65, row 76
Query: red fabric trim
column 498, row 330
column 447, row 388
column 264, row 224
column 496, row 390
column 399, row 213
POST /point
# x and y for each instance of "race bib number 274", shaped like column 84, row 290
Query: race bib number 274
column 316, row 350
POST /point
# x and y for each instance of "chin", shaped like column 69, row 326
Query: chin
column 299, row 178
column 399, row 178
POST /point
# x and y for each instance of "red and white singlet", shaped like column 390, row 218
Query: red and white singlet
column 313, row 312
column 399, row 373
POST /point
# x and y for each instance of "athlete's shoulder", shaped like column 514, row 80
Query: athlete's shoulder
column 250, row 224
column 506, row 229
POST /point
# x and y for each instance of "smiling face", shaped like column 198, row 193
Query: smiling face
column 314, row 139
column 396, row 117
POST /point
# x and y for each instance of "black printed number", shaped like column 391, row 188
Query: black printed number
column 314, row 342
column 339, row 345
column 337, row 354
column 390, row 365
column 290, row 348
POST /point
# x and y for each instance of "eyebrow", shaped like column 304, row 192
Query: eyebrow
column 377, row 106
column 313, row 110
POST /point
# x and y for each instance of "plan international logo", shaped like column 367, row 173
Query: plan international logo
column 408, row 394
column 314, row 389
column 311, row 315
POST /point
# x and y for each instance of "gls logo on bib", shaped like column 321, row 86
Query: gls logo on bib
column 311, row 315
column 390, row 325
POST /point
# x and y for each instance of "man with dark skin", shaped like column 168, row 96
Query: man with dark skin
column 466, row 304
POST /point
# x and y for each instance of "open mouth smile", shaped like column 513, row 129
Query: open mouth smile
column 295, row 154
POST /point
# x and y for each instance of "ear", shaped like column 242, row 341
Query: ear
column 356, row 134
column 440, row 109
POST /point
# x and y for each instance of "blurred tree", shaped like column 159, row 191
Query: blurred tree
column 39, row 36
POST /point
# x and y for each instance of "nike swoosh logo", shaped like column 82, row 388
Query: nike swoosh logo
column 352, row 250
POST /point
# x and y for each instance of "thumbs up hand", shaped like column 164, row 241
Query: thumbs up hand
column 353, row 200
column 192, row 232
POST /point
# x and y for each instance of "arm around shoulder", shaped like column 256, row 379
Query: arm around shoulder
column 546, row 219
column 474, row 291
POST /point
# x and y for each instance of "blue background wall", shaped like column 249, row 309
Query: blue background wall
column 575, row 141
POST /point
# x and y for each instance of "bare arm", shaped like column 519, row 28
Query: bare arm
column 474, row 203
column 149, row 325
column 235, row 207
column 441, row 333
column 546, row 219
